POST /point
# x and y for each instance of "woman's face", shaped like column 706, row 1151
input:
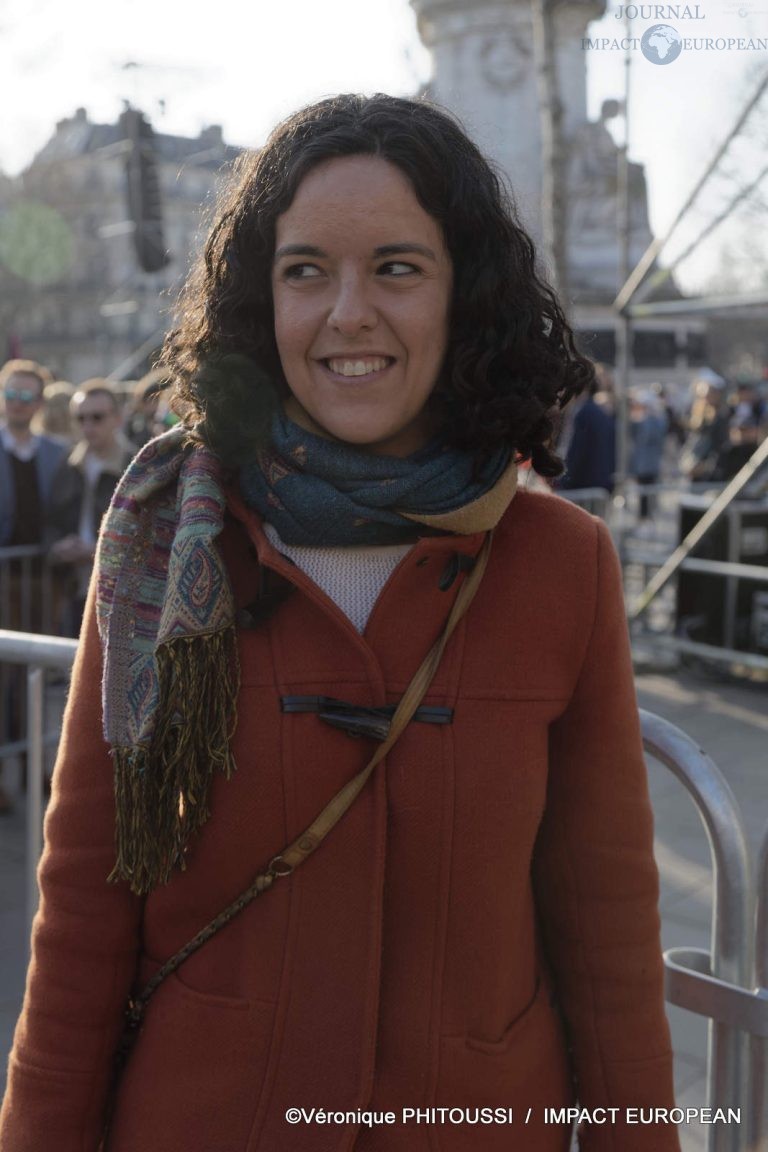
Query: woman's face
column 362, row 289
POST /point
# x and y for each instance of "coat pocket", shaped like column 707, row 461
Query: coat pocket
column 195, row 1075
column 526, row 1020
column 526, row 1067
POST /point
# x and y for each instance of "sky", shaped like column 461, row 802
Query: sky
column 252, row 63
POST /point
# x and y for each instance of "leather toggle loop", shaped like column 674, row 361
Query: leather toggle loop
column 457, row 563
column 359, row 720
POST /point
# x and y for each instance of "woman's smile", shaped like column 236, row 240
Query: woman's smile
column 360, row 369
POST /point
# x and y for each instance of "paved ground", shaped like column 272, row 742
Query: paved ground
column 730, row 721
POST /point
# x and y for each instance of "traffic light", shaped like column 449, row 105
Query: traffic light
column 144, row 198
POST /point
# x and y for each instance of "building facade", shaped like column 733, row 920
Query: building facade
column 95, row 312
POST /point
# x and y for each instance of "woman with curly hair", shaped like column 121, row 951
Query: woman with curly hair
column 348, row 669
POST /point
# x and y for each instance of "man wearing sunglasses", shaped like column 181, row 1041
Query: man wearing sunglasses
column 27, row 462
column 27, row 467
column 83, row 487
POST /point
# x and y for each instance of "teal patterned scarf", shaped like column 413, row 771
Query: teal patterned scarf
column 325, row 492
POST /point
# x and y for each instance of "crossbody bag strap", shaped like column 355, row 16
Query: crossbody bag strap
column 304, row 845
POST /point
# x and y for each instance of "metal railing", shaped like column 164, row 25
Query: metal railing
column 601, row 502
column 732, row 573
column 594, row 500
column 654, row 560
column 645, row 558
column 26, row 605
column 26, row 590
column 728, row 984
column 748, row 474
column 38, row 653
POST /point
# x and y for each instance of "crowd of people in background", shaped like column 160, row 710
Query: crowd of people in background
column 63, row 448
column 725, row 426
column 708, row 437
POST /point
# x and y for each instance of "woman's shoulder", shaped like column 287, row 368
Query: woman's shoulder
column 550, row 565
column 550, row 544
column 546, row 518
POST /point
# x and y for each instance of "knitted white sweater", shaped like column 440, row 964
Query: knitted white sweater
column 352, row 577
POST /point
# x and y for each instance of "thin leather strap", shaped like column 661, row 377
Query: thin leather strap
column 304, row 845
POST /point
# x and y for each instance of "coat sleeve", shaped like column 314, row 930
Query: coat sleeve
column 84, row 942
column 596, row 887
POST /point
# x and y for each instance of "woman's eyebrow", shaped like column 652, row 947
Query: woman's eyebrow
column 381, row 251
column 402, row 249
column 299, row 250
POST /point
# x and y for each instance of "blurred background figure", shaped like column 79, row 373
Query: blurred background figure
column 747, row 427
column 83, row 487
column 54, row 418
column 675, row 424
column 604, row 398
column 648, row 426
column 604, row 394
column 590, row 457
column 749, row 407
column 140, row 421
column 708, row 427
column 28, row 462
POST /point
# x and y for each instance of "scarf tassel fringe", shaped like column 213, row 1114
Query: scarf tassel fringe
column 162, row 791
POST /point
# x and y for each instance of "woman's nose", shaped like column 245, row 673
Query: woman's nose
column 353, row 309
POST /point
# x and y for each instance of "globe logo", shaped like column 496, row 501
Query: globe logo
column 661, row 44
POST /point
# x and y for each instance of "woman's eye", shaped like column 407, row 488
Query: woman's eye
column 397, row 268
column 301, row 272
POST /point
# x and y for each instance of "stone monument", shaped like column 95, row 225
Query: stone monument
column 485, row 71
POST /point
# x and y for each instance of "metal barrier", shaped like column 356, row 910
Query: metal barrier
column 602, row 503
column 594, row 500
column 26, row 605
column 731, row 572
column 38, row 653
column 758, row 1045
column 727, row 984
column 633, row 491
column 26, row 590
column 655, row 558
column 738, row 484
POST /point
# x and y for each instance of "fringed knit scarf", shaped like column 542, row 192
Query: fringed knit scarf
column 166, row 613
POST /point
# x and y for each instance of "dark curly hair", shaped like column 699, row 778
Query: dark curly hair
column 511, row 360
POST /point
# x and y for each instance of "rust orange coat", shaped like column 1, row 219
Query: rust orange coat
column 481, row 929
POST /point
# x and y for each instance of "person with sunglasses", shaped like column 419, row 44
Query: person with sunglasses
column 83, row 488
column 27, row 466
column 27, row 462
